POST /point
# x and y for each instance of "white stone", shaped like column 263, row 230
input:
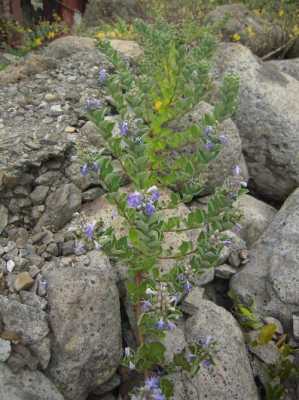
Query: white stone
column 5, row 350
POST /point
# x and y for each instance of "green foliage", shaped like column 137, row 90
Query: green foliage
column 169, row 81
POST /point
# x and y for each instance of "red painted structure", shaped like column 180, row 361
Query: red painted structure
column 65, row 8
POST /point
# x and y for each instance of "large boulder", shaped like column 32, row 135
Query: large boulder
column 26, row 385
column 255, row 32
column 230, row 155
column 290, row 66
column 267, row 118
column 99, row 10
column 271, row 277
column 231, row 377
column 85, row 321
column 256, row 217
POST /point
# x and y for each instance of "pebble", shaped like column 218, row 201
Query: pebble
column 10, row 265
column 5, row 350
column 56, row 110
column 70, row 129
column 23, row 281
column 225, row 271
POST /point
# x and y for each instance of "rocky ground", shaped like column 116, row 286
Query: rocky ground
column 64, row 316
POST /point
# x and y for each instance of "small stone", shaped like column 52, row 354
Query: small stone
column 23, row 281
column 51, row 97
column 53, row 249
column 296, row 326
column 56, row 110
column 5, row 350
column 190, row 303
column 92, row 194
column 225, row 271
column 3, row 218
column 34, row 271
column 68, row 248
column 206, row 277
column 70, row 129
column 42, row 287
column 39, row 194
column 234, row 259
column 10, row 265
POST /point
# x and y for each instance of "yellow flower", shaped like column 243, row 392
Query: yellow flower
column 281, row 13
column 157, row 105
column 250, row 32
column 51, row 35
column 112, row 34
column 37, row 41
column 236, row 37
column 101, row 35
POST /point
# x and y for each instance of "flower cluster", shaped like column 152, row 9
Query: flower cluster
column 102, row 75
column 211, row 139
column 86, row 168
column 150, row 391
column 144, row 201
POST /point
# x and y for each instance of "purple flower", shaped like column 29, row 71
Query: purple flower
column 84, row 170
column 206, row 363
column 160, row 324
column 207, row 341
column 154, row 192
column 92, row 104
column 43, row 283
column 227, row 242
column 79, row 249
column 102, row 75
column 158, row 395
column 171, row 326
column 208, row 130
column 152, row 382
column 95, row 167
column 149, row 209
column 89, row 230
column 134, row 200
column 237, row 228
column 223, row 139
column 236, row 170
column 146, row 305
column 124, row 128
column 209, row 146
column 187, row 287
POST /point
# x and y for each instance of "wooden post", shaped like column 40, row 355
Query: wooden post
column 16, row 10
column 68, row 7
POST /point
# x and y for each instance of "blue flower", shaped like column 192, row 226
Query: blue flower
column 93, row 104
column 209, row 146
column 154, row 192
column 102, row 75
column 95, row 167
column 187, row 287
column 89, row 230
column 208, row 130
column 84, row 170
column 146, row 305
column 134, row 200
column 160, row 324
column 207, row 341
column 124, row 128
column 80, row 249
column 236, row 170
column 223, row 139
column 171, row 326
column 152, row 382
column 158, row 395
column 206, row 363
column 149, row 209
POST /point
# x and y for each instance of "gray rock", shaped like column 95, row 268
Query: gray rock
column 92, row 194
column 60, row 207
column 3, row 218
column 257, row 33
column 256, row 217
column 5, row 350
column 128, row 48
column 296, row 326
column 231, row 377
column 85, row 322
column 267, row 118
column 39, row 194
column 267, row 353
column 192, row 301
column 290, row 67
column 225, row 271
column 271, row 277
column 26, row 385
column 28, row 322
column 66, row 46
column 230, row 154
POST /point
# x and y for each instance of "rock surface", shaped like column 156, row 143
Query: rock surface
column 255, row 32
column 271, row 277
column 231, row 378
column 268, row 120
column 85, row 323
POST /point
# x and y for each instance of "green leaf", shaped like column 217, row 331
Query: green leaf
column 167, row 387
column 266, row 334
